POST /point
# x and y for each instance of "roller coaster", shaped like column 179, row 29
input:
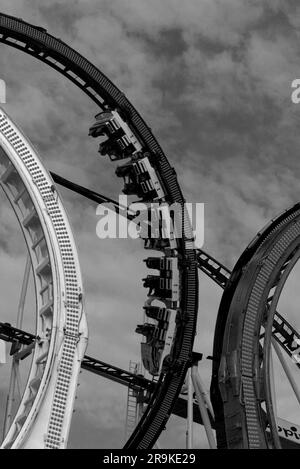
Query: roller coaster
column 251, row 328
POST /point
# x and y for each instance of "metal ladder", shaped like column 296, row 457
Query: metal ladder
column 132, row 411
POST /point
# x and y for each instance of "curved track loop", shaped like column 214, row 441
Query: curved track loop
column 236, row 389
column 36, row 42
column 44, row 415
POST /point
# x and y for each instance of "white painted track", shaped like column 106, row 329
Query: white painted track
column 44, row 416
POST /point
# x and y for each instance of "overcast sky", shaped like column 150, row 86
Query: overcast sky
column 213, row 80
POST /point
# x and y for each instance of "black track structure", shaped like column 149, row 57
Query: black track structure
column 247, row 340
column 221, row 384
column 135, row 381
column 35, row 41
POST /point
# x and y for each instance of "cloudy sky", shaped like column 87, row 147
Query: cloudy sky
column 213, row 80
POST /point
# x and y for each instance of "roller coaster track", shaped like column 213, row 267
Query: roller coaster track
column 36, row 42
column 283, row 332
column 136, row 382
column 43, row 417
column 213, row 268
column 232, row 427
column 247, row 337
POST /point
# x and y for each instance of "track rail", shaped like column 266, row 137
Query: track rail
column 44, row 415
column 283, row 332
column 257, row 294
column 280, row 332
column 38, row 43
column 123, row 377
column 213, row 268
column 137, row 382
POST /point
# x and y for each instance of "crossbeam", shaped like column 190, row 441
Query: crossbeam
column 282, row 331
column 92, row 195
column 11, row 334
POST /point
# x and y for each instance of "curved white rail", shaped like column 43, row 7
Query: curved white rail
column 44, row 415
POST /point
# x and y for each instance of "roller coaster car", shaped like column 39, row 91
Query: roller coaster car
column 151, row 358
column 157, row 313
column 158, row 286
column 159, row 237
column 141, row 179
column 152, row 349
column 159, row 263
column 121, row 142
column 166, row 285
column 157, row 244
column 157, row 350
column 145, row 329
